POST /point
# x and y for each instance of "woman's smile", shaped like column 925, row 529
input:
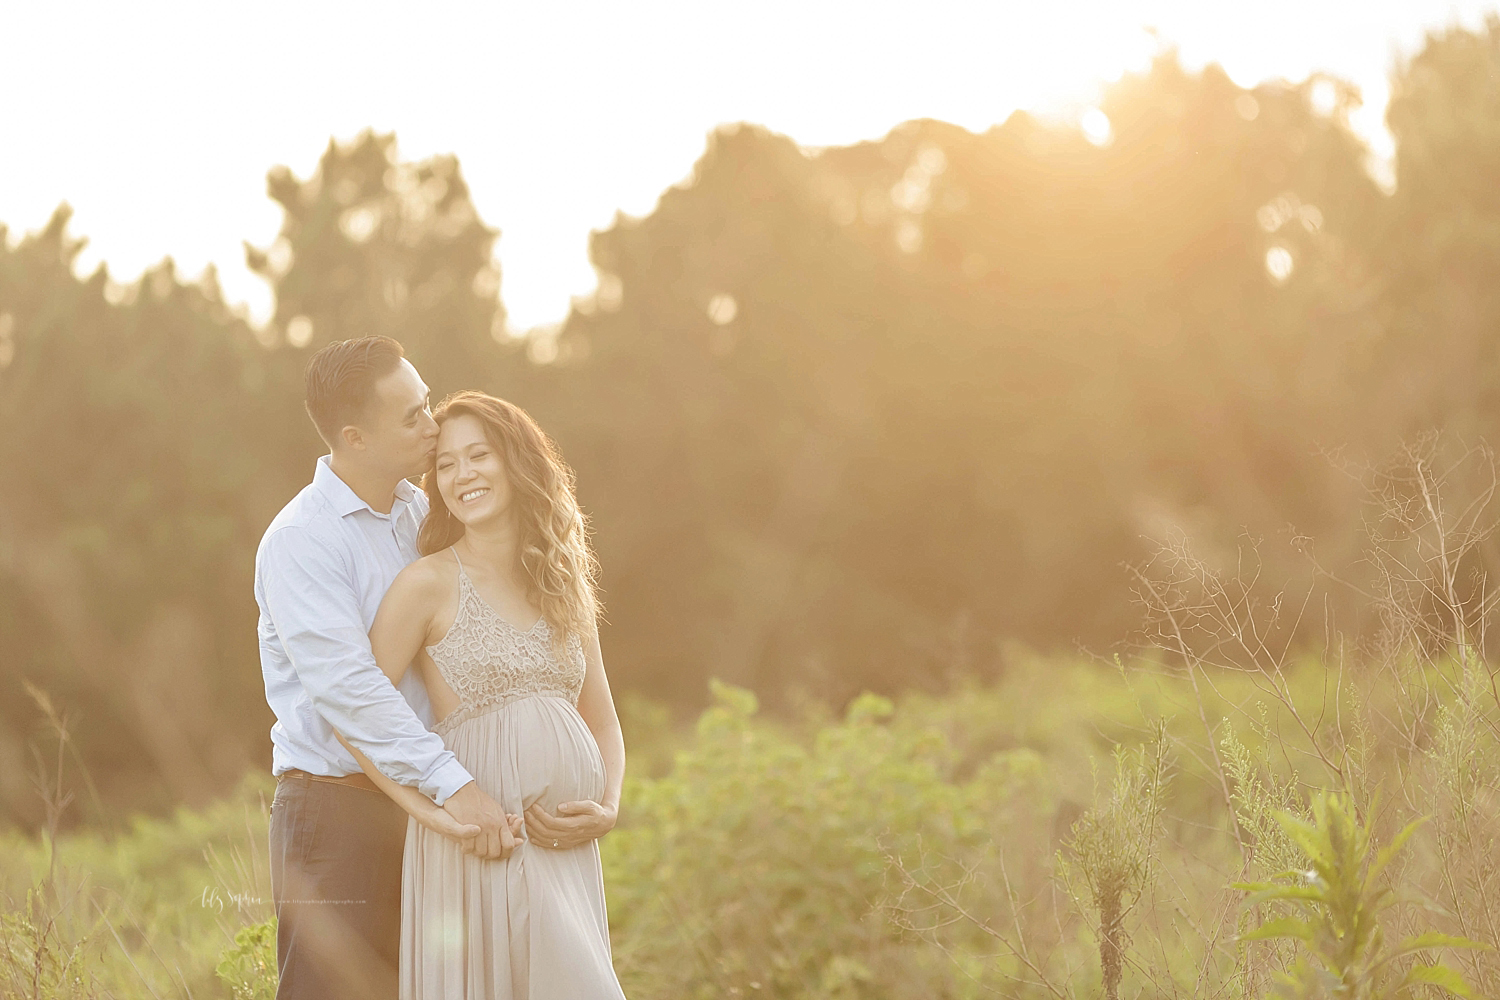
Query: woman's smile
column 471, row 476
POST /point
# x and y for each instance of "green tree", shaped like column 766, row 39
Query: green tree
column 374, row 246
column 854, row 415
column 1441, row 267
column 144, row 431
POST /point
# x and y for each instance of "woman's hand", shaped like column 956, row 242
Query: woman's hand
column 575, row 823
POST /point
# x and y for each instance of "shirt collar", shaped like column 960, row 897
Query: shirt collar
column 345, row 500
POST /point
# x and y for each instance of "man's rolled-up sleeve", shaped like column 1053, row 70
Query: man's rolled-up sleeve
column 314, row 606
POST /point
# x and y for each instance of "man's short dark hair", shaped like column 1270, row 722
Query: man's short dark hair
column 341, row 380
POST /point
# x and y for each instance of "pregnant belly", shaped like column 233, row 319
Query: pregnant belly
column 535, row 749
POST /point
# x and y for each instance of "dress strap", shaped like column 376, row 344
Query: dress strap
column 454, row 550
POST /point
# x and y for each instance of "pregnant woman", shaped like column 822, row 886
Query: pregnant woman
column 499, row 619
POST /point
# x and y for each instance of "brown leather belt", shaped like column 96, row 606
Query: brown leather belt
column 357, row 780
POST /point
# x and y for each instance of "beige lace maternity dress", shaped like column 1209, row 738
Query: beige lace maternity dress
column 531, row 927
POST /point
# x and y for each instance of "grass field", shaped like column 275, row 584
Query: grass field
column 1073, row 829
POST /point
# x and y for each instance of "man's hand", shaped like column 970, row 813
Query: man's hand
column 575, row 823
column 440, row 820
column 497, row 836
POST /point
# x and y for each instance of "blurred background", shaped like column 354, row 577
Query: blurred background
column 953, row 314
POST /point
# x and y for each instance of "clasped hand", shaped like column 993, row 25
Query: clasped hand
column 574, row 823
column 476, row 821
column 482, row 826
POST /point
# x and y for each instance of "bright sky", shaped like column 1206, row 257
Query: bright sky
column 157, row 121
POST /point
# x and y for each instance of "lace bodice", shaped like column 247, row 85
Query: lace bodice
column 488, row 662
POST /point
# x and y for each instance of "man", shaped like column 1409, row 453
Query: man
column 321, row 570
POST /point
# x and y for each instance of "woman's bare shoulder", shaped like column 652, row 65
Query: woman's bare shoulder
column 429, row 579
column 404, row 622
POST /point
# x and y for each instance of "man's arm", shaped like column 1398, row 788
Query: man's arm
column 418, row 806
column 313, row 605
column 396, row 638
column 439, row 819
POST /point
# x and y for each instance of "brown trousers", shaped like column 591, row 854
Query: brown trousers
column 336, row 881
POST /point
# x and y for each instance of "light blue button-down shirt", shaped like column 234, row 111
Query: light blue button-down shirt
column 320, row 573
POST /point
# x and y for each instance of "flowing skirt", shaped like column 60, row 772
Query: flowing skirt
column 531, row 927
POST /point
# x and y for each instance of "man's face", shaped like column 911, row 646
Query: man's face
column 399, row 433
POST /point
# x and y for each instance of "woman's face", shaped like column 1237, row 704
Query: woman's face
column 470, row 475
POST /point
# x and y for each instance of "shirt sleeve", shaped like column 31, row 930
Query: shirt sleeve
column 313, row 604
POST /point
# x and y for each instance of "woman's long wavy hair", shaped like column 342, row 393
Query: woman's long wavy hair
column 560, row 567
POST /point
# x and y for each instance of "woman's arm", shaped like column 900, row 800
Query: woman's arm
column 404, row 618
column 578, row 822
column 597, row 706
column 400, row 631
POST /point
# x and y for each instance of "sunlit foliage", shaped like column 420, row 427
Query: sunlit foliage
column 845, row 419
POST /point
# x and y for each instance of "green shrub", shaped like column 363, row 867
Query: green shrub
column 36, row 959
column 761, row 864
column 249, row 967
column 1112, row 850
column 1341, row 899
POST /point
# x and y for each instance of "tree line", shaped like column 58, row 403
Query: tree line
column 853, row 418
